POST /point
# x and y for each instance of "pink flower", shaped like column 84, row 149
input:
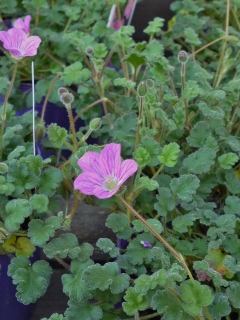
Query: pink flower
column 129, row 8
column 112, row 21
column 103, row 173
column 23, row 24
column 17, row 42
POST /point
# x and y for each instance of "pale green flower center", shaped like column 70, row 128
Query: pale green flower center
column 110, row 183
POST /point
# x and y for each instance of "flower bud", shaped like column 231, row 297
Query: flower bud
column 67, row 98
column 89, row 51
column 142, row 89
column 183, row 57
column 61, row 91
column 40, row 131
column 3, row 167
column 95, row 124
column 150, row 83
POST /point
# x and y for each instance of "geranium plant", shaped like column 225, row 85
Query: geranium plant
column 166, row 165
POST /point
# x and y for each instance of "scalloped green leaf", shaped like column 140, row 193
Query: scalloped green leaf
column 166, row 202
column 86, row 310
column 195, row 296
column 134, row 302
column 200, row 161
column 119, row 225
column 185, row 186
column 17, row 210
column 107, row 246
column 227, row 160
column 65, row 245
column 170, row 153
column 32, row 281
column 41, row 231
column 57, row 135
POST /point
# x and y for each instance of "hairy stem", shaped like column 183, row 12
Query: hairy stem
column 5, row 108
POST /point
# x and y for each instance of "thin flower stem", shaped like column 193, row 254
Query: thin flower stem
column 48, row 95
column 54, row 59
column 5, row 108
column 171, row 84
column 74, row 208
column 87, row 108
column 63, row 263
column 67, row 25
column 157, row 172
column 207, row 45
column 139, row 124
column 136, row 316
column 72, row 126
column 176, row 254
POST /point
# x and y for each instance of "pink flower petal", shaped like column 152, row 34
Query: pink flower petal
column 90, row 161
column 110, row 160
column 86, row 182
column 128, row 167
column 30, row 46
column 23, row 24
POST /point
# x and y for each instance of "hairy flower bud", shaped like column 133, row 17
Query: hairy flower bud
column 150, row 83
column 95, row 124
column 89, row 51
column 142, row 89
column 40, row 131
column 183, row 57
column 3, row 167
column 67, row 98
column 61, row 91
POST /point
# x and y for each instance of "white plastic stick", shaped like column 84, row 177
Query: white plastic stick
column 33, row 109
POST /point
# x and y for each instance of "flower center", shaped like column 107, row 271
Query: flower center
column 110, row 183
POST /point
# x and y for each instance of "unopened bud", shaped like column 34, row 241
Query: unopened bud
column 40, row 131
column 95, row 124
column 183, row 57
column 142, row 89
column 3, row 167
column 150, row 83
column 89, row 51
column 67, row 98
column 61, row 91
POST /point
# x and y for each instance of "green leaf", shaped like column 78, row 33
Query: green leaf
column 195, row 296
column 16, row 153
column 165, row 302
column 181, row 223
column 104, row 277
column 233, row 293
column 119, row 225
column 56, row 316
column 211, row 111
column 134, row 302
column 123, row 82
column 107, row 246
column 192, row 90
column 185, row 186
column 154, row 223
column 100, row 51
column 191, row 36
column 73, row 284
column 220, row 306
column 50, row 181
column 85, row 309
column 17, row 210
column 75, row 74
column 145, row 182
column 169, row 156
column 41, row 231
column 57, row 135
column 154, row 26
column 142, row 157
column 166, row 202
column 63, row 246
column 32, row 281
column 232, row 182
column 39, row 202
column 136, row 59
column 200, row 161
column 232, row 205
column 227, row 160
column 199, row 134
